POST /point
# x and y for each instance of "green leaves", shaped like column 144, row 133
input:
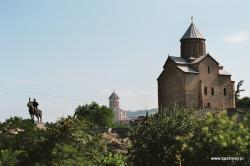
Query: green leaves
column 99, row 115
column 113, row 160
column 157, row 139
column 68, row 141
column 8, row 157
column 243, row 103
column 178, row 136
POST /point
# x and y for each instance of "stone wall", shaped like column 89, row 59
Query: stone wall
column 171, row 86
column 210, row 80
column 187, row 89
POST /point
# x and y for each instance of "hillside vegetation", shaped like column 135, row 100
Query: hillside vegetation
column 173, row 137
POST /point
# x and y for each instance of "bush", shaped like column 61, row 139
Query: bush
column 177, row 137
column 99, row 115
column 243, row 103
column 69, row 141
column 113, row 160
column 153, row 141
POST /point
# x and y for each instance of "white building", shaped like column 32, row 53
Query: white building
column 119, row 114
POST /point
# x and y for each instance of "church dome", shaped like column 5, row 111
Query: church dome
column 192, row 43
column 192, row 33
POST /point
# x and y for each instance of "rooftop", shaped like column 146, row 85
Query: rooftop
column 224, row 73
column 192, row 33
column 178, row 60
column 114, row 96
column 187, row 69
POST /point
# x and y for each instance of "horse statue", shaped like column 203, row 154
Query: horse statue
column 34, row 111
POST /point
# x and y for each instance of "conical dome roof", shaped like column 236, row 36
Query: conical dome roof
column 192, row 33
column 114, row 96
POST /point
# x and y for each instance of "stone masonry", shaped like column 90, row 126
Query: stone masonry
column 195, row 79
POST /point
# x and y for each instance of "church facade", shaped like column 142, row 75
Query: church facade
column 195, row 79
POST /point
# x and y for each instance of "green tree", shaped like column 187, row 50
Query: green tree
column 217, row 135
column 8, row 157
column 243, row 103
column 99, row 115
column 153, row 141
column 113, row 160
column 178, row 137
column 69, row 141
column 17, row 135
column 66, row 142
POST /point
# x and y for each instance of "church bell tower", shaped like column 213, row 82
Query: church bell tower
column 114, row 101
column 192, row 43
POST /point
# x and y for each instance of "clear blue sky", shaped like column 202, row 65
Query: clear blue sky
column 65, row 53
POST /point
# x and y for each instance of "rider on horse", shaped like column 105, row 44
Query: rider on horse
column 35, row 104
column 33, row 110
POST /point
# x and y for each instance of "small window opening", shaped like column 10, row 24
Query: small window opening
column 225, row 91
column 205, row 90
column 212, row 91
column 208, row 69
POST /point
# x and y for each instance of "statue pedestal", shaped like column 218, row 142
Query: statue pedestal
column 40, row 125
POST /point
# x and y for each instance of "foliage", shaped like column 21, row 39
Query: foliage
column 67, row 154
column 120, row 125
column 243, row 103
column 72, row 137
column 8, row 157
column 216, row 136
column 16, row 135
column 69, row 141
column 153, row 141
column 113, row 160
column 178, row 137
column 99, row 115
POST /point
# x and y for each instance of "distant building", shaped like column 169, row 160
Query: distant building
column 119, row 114
column 195, row 79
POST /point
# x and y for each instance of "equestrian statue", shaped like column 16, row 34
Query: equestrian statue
column 33, row 110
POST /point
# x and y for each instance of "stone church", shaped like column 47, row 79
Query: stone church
column 120, row 115
column 195, row 79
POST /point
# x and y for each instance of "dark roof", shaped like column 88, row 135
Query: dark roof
column 199, row 59
column 114, row 96
column 187, row 69
column 178, row 60
column 192, row 33
column 182, row 64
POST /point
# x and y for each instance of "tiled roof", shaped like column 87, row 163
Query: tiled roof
column 188, row 69
column 192, row 33
column 224, row 72
column 114, row 96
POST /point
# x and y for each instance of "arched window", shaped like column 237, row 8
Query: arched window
column 208, row 69
column 225, row 91
column 205, row 90
column 212, row 91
